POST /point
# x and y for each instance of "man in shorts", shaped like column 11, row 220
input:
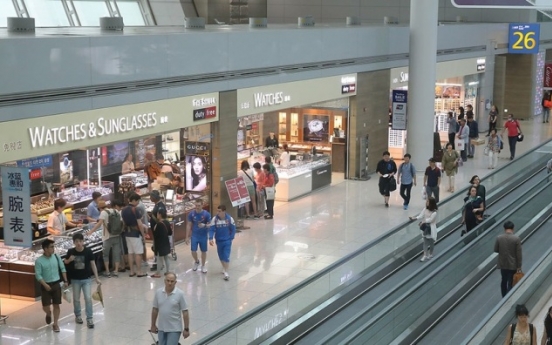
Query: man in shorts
column 134, row 234
column 197, row 228
column 223, row 230
column 47, row 269
column 386, row 169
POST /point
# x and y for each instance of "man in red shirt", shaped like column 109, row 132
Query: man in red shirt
column 514, row 130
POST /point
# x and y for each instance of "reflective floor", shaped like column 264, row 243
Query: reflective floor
column 305, row 236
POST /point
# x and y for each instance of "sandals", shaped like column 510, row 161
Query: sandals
column 155, row 275
column 141, row 275
column 55, row 328
column 132, row 275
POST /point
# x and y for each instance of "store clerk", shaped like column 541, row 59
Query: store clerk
column 57, row 220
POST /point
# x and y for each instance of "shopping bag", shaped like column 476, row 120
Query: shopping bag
column 460, row 145
column 270, row 191
column 517, row 277
column 486, row 151
column 98, row 295
column 67, row 295
column 424, row 194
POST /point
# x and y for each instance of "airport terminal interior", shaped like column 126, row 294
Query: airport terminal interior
column 283, row 113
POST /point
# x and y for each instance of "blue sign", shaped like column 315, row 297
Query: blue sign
column 16, row 200
column 398, row 111
column 524, row 38
column 36, row 163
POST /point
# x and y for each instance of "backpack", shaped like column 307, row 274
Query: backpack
column 114, row 223
column 514, row 329
column 411, row 169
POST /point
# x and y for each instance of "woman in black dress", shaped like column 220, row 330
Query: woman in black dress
column 161, row 242
column 472, row 214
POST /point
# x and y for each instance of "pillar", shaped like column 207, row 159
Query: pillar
column 486, row 89
column 421, row 81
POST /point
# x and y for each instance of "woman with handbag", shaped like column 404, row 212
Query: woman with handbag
column 268, row 187
column 493, row 148
column 251, row 185
column 472, row 213
column 450, row 164
column 428, row 226
column 547, row 332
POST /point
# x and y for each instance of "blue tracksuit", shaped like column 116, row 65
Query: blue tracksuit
column 223, row 230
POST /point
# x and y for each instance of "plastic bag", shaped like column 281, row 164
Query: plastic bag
column 67, row 295
column 424, row 194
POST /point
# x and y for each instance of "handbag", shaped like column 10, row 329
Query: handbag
column 254, row 183
column 460, row 145
column 426, row 229
column 517, row 277
column 392, row 184
column 486, row 151
column 269, row 193
column 520, row 137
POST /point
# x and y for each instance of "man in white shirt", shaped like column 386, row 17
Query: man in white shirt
column 168, row 312
column 57, row 220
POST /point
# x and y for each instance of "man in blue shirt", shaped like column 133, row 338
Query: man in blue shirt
column 197, row 228
column 223, row 229
column 407, row 177
column 93, row 211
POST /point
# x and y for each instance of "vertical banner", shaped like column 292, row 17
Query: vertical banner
column 237, row 191
column 16, row 201
column 548, row 75
column 398, row 121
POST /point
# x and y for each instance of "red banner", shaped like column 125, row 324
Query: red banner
column 548, row 75
column 237, row 191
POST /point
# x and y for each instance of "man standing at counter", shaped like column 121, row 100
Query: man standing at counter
column 223, row 229
column 57, row 220
column 93, row 211
column 47, row 269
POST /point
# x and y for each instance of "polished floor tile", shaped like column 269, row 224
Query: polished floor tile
column 305, row 236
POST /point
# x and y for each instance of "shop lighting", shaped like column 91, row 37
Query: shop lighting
column 448, row 84
column 472, row 83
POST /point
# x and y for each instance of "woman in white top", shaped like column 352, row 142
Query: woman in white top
column 523, row 332
column 247, row 173
column 128, row 165
column 284, row 157
column 428, row 216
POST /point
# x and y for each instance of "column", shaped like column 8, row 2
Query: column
column 421, row 81
column 486, row 88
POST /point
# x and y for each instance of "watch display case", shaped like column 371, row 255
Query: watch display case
column 302, row 177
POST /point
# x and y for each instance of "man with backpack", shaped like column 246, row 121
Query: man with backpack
column 407, row 177
column 111, row 225
column 268, row 161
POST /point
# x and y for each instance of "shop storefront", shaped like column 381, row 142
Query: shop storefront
column 457, row 85
column 310, row 117
column 110, row 151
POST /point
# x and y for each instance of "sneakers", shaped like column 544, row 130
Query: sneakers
column 196, row 265
column 424, row 258
column 226, row 276
column 78, row 320
column 203, row 269
column 90, row 323
column 430, row 257
column 405, row 207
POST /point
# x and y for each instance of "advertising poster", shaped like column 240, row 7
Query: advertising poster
column 16, row 199
column 398, row 110
column 316, row 128
column 196, row 173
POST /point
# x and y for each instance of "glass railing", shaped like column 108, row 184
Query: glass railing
column 414, row 305
column 293, row 303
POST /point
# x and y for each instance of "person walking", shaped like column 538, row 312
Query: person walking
column 47, row 272
column 513, row 128
column 267, row 183
column 134, row 234
column 247, row 173
column 80, row 267
column 474, row 135
column 223, row 230
column 154, row 219
column 464, row 137
column 386, row 169
column 161, row 242
column 428, row 216
column 452, row 124
column 406, row 176
column 493, row 119
column 111, row 234
column 547, row 332
column 432, row 180
column 522, row 332
column 169, row 315
column 508, row 247
column 493, row 146
column 197, row 230
column 450, row 165
column 472, row 212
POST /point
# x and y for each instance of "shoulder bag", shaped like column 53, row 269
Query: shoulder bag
column 254, row 183
column 426, row 227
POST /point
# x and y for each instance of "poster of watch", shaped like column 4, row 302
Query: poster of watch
column 316, row 127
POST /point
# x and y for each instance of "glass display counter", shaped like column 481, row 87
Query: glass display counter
column 302, row 177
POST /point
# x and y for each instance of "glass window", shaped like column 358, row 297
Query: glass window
column 89, row 12
column 131, row 13
column 47, row 12
column 7, row 10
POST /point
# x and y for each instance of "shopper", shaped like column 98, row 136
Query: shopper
column 452, row 124
column 472, row 212
column 223, row 230
column 168, row 313
column 450, row 165
column 134, row 234
column 493, row 119
column 463, row 136
column 47, row 272
column 284, row 157
column 546, row 105
column 428, row 216
column 508, row 247
column 93, row 211
column 268, row 183
column 111, row 234
column 475, row 181
column 406, row 176
column 386, row 170
column 432, row 180
column 522, row 332
column 461, row 114
column 153, row 220
column 128, row 164
column 197, row 229
column 247, row 173
column 161, row 242
column 80, row 267
column 474, row 135
column 259, row 179
column 268, row 160
column 547, row 332
column 57, row 221
column 493, row 147
column 513, row 128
